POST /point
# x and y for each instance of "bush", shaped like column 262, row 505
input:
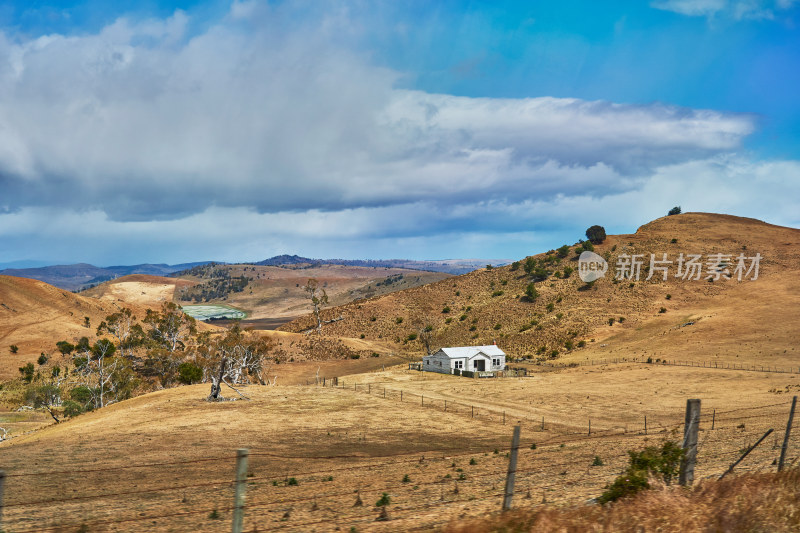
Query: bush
column 14, row 348
column 550, row 307
column 71, row 408
column 292, row 482
column 669, row 297
column 568, row 270
column 472, row 461
column 495, row 294
column 568, row 345
column 446, row 309
column 515, row 266
column 189, row 373
column 384, row 500
column 563, row 251
column 406, row 479
column 398, row 320
column 42, row 359
column 673, row 241
column 597, row 461
column 610, row 321
column 27, row 372
column 531, row 293
column 587, row 246
column 596, row 234
column 675, row 211
column 662, row 462
column 662, row 310
column 355, row 356
column 498, row 326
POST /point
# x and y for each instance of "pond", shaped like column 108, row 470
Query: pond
column 205, row 312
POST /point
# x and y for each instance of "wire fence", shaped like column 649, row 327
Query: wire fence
column 560, row 465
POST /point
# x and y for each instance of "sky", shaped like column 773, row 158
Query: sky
column 170, row 132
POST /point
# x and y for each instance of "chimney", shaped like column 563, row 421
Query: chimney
column 494, row 342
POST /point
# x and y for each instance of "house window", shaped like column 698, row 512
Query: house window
column 495, row 361
column 458, row 364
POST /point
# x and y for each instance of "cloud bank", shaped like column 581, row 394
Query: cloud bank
column 261, row 136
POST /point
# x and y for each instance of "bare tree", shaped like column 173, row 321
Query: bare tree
column 318, row 299
column 123, row 327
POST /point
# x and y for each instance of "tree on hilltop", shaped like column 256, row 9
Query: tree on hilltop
column 318, row 299
column 596, row 234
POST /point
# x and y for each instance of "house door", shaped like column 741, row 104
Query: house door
column 480, row 365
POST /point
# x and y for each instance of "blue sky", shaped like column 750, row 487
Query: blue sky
column 179, row 131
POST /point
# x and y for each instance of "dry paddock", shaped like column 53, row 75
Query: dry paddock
column 165, row 461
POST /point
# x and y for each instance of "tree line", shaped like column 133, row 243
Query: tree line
column 132, row 356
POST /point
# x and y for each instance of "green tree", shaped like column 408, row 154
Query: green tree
column 596, row 234
column 675, row 211
column 563, row 251
column 530, row 292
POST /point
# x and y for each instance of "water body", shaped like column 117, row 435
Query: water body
column 205, row 312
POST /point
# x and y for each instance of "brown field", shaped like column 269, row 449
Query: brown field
column 164, row 461
column 368, row 443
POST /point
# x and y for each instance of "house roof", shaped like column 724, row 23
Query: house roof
column 471, row 351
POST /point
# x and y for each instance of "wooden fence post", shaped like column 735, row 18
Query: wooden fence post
column 786, row 437
column 713, row 418
column 645, row 424
column 2, row 488
column 473, row 412
column 512, row 470
column 241, row 485
column 692, row 424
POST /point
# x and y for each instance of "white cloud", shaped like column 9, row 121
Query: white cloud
column 737, row 9
column 144, row 122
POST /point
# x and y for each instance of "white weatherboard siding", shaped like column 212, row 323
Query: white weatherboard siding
column 472, row 358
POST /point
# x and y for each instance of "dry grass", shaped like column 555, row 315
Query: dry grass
column 748, row 503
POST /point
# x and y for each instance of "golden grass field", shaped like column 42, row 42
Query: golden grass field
column 368, row 443
column 165, row 461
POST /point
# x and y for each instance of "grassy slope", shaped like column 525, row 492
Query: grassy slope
column 731, row 318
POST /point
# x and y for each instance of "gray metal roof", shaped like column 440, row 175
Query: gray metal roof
column 471, row 351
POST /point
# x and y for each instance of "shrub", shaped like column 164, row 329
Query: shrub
column 621, row 319
column 597, row 461
column 563, row 251
column 448, row 320
column 363, row 336
column 473, row 461
column 411, row 337
column 65, row 348
column 473, row 327
column 462, row 317
column 610, row 321
column 662, row 462
column 292, row 482
column 587, row 246
column 515, row 266
column 189, row 373
column 581, row 344
column 373, row 319
column 673, row 241
column 568, row 345
column 662, row 310
column 530, row 292
column 533, row 446
column 42, row 359
column 550, row 307
column 406, row 479
column 14, row 348
column 71, row 408
column 446, row 309
column 495, row 294
column 384, row 500
column 27, row 372
column 568, row 270
column 398, row 320
column 669, row 297
column 675, row 211
column 355, row 356
column 553, row 354
column 498, row 326
column 489, row 267
column 214, row 515
column 596, row 234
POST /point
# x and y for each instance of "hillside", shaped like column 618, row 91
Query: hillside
column 82, row 275
column 701, row 319
column 35, row 315
column 265, row 292
column 448, row 266
column 138, row 289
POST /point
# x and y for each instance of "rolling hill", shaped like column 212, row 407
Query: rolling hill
column 573, row 321
column 35, row 315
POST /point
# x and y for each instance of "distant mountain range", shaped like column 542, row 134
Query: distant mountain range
column 450, row 266
column 82, row 275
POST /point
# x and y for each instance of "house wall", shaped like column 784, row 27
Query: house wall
column 437, row 362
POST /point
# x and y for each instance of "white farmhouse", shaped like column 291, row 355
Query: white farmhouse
column 471, row 358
